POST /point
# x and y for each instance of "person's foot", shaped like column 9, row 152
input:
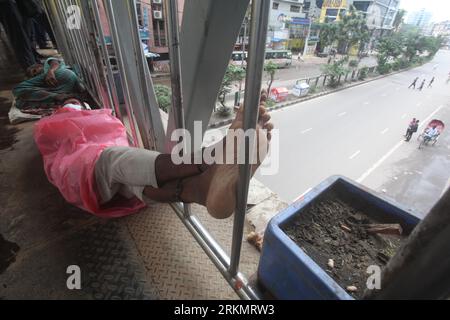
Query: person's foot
column 222, row 179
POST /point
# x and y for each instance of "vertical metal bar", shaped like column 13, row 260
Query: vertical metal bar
column 91, row 47
column 79, row 43
column 171, row 7
column 92, row 33
column 126, row 91
column 110, row 76
column 60, row 32
column 175, row 67
column 114, row 36
column 257, row 47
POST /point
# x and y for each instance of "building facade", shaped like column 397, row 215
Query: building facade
column 152, row 24
column 288, row 25
column 442, row 29
column 420, row 19
column 380, row 14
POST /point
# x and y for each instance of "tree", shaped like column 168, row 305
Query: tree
column 334, row 71
column 232, row 74
column 398, row 21
column 351, row 30
column 390, row 46
column 271, row 69
column 327, row 34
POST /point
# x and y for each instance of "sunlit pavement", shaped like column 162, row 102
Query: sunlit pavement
column 358, row 133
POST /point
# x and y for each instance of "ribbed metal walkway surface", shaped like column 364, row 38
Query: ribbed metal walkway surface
column 176, row 263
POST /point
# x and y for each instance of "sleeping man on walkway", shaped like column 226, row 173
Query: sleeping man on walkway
column 49, row 85
column 87, row 157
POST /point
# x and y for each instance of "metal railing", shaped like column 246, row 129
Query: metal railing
column 320, row 81
column 85, row 49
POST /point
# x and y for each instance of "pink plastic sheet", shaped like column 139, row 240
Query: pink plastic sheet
column 70, row 142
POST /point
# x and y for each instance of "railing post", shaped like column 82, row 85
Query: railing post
column 257, row 47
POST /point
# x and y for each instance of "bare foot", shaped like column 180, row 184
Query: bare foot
column 222, row 179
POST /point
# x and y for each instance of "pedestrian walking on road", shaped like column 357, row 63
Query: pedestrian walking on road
column 413, row 121
column 412, row 128
column 413, row 84
column 422, row 85
column 431, row 83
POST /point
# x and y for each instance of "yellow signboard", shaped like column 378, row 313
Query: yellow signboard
column 334, row 4
column 337, row 5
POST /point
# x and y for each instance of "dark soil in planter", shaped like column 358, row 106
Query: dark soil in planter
column 332, row 228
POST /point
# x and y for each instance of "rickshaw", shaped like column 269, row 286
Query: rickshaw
column 425, row 138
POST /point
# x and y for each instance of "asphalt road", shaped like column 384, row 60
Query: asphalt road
column 358, row 132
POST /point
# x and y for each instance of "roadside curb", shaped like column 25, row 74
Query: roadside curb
column 321, row 94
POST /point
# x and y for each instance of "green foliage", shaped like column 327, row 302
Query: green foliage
column 163, row 96
column 353, row 64
column 313, row 90
column 232, row 74
column 271, row 69
column 334, row 71
column 404, row 49
column 352, row 29
column 363, row 73
column 391, row 46
column 270, row 103
column 399, row 17
column 328, row 33
column 224, row 111
column 384, row 68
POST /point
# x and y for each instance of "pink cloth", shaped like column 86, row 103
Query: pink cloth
column 70, row 142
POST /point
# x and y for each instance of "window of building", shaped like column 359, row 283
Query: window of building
column 275, row 5
column 139, row 14
column 297, row 31
column 332, row 13
column 159, row 33
column 306, row 6
column 295, row 8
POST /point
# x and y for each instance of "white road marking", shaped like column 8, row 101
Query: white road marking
column 307, row 130
column 446, row 187
column 404, row 116
column 366, row 103
column 419, row 104
column 384, row 131
column 384, row 95
column 398, row 89
column 390, row 152
column 354, row 155
column 342, row 114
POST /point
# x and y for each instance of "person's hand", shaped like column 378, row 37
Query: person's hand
column 50, row 79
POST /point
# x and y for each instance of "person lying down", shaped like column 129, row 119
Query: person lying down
column 87, row 157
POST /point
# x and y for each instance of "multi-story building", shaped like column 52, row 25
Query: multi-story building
column 152, row 23
column 288, row 25
column 442, row 29
column 380, row 14
column 420, row 19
